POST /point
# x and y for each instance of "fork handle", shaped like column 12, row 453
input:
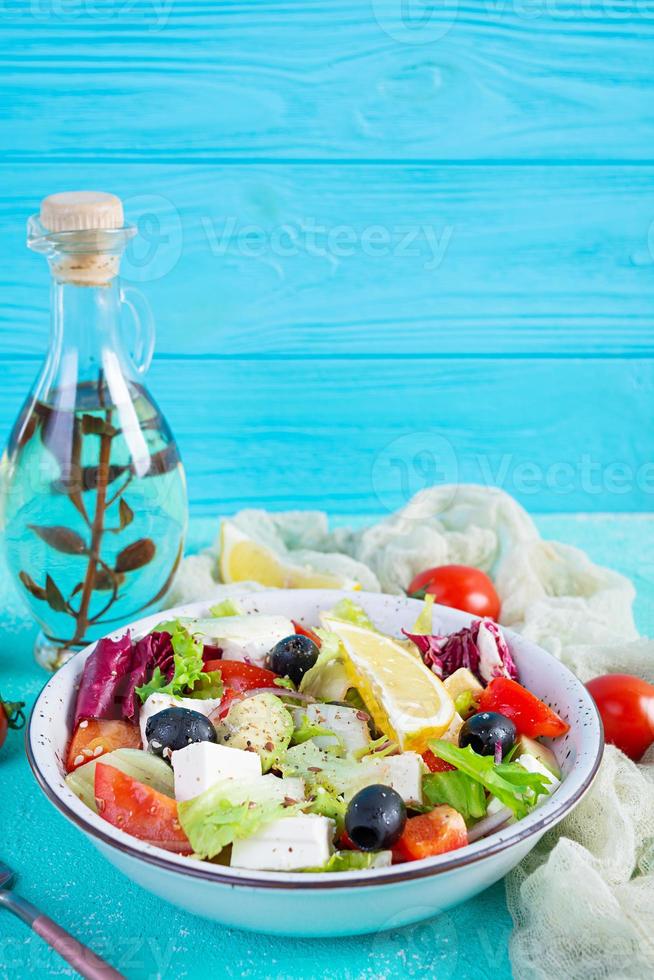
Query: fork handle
column 81, row 958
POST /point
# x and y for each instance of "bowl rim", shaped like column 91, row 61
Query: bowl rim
column 534, row 825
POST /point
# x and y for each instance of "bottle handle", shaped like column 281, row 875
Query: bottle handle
column 143, row 319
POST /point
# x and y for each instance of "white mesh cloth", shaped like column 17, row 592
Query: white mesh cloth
column 583, row 900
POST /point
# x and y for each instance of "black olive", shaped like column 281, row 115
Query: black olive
column 174, row 728
column 487, row 730
column 375, row 818
column 293, row 657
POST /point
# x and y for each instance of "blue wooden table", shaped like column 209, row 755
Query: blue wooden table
column 144, row 937
column 386, row 243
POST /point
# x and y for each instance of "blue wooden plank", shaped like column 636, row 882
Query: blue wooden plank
column 360, row 260
column 360, row 436
column 155, row 80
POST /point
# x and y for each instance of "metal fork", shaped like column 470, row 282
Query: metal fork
column 79, row 956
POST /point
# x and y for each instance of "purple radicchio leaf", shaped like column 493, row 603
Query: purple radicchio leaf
column 99, row 694
column 115, row 669
column 480, row 647
column 495, row 658
column 153, row 650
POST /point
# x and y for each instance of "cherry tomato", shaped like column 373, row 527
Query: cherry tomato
column 626, row 706
column 434, row 764
column 11, row 716
column 240, row 676
column 530, row 715
column 94, row 737
column 444, row 829
column 459, row 587
column 139, row 810
column 305, row 631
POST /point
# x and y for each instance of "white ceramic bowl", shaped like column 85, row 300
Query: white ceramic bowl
column 327, row 904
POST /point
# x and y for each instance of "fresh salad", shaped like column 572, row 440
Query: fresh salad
column 254, row 741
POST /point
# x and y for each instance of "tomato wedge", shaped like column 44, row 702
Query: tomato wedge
column 530, row 715
column 434, row 764
column 94, row 737
column 444, row 829
column 138, row 810
column 240, row 676
column 305, row 631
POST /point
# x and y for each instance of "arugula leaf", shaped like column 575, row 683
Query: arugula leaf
column 457, row 789
column 188, row 666
column 516, row 788
column 228, row 607
column 227, row 812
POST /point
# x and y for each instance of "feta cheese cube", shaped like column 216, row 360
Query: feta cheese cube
column 157, row 702
column 348, row 727
column 246, row 638
column 403, row 773
column 494, row 806
column 452, row 733
column 532, row 764
column 201, row 765
column 288, row 844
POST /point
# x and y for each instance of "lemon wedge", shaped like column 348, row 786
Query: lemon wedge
column 242, row 559
column 408, row 703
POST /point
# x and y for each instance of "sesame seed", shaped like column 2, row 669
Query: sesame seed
column 78, row 760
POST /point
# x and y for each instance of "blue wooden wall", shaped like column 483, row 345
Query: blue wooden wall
column 386, row 241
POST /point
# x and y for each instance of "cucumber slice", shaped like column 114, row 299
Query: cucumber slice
column 260, row 724
column 142, row 766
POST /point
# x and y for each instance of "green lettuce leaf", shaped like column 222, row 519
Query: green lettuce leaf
column 516, row 788
column 458, row 790
column 320, row 768
column 187, row 661
column 350, row 861
column 227, row 812
column 348, row 612
column 208, row 685
column 328, row 678
column 327, row 804
column 308, row 729
column 423, row 624
column 228, row 607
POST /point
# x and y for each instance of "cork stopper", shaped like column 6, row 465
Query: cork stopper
column 87, row 259
column 81, row 211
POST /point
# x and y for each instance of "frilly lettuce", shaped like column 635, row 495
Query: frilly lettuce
column 328, row 804
column 228, row 811
column 188, row 677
